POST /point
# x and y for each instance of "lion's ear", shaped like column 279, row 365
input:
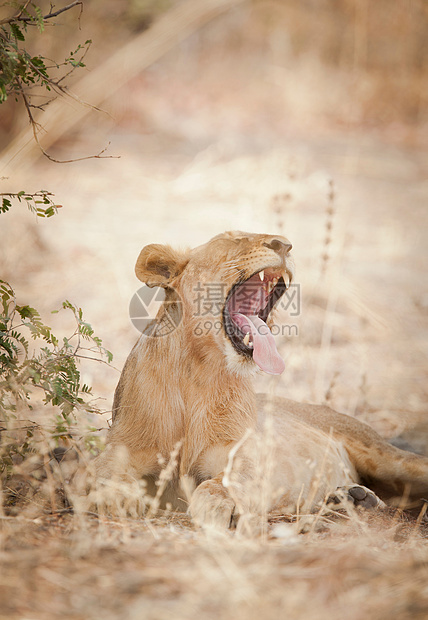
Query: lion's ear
column 157, row 265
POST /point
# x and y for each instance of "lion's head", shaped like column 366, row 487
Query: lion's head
column 225, row 292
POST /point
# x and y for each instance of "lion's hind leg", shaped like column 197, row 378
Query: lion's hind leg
column 354, row 495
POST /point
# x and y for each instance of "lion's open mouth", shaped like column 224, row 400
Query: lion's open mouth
column 246, row 311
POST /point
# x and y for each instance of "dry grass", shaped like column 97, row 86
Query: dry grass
column 61, row 565
column 228, row 134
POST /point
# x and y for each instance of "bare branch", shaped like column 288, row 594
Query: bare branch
column 23, row 8
column 37, row 127
column 94, row 359
column 20, row 18
column 63, row 10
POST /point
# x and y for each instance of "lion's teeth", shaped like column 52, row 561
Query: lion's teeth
column 270, row 286
column 262, row 275
column 250, row 345
column 286, row 279
column 275, row 282
column 246, row 339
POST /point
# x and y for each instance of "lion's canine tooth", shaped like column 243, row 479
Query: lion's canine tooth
column 246, row 339
column 270, row 286
column 262, row 275
column 286, row 279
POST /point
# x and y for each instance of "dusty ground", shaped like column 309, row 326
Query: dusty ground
column 188, row 170
column 56, row 568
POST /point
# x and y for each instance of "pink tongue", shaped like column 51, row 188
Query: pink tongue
column 265, row 353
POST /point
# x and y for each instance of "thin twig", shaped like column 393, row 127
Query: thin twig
column 86, row 50
column 35, row 126
column 96, row 359
column 23, row 8
column 20, row 18
column 39, row 194
column 62, row 90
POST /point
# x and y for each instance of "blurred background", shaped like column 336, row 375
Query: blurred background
column 308, row 118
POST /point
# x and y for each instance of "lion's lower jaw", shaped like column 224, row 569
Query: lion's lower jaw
column 238, row 365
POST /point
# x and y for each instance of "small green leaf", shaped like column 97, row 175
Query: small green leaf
column 5, row 206
column 16, row 32
column 39, row 18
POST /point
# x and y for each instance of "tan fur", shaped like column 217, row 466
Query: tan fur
column 242, row 452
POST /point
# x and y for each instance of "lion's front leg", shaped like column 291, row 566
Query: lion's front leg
column 211, row 505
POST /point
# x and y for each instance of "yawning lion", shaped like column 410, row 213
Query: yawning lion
column 187, row 383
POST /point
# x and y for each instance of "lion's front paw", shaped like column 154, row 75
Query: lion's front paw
column 356, row 494
column 211, row 506
column 120, row 497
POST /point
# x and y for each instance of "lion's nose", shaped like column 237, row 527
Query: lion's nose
column 279, row 246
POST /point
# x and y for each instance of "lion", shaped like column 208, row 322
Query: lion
column 187, row 386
